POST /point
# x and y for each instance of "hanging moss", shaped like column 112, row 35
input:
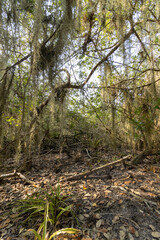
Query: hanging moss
column 57, row 34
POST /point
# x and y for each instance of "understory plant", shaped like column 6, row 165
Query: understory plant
column 42, row 234
column 35, row 206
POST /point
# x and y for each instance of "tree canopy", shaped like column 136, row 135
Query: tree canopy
column 78, row 71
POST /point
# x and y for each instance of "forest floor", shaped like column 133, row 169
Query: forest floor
column 117, row 203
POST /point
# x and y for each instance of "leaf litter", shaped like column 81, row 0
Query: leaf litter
column 124, row 206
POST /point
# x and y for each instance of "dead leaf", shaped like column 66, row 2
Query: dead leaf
column 151, row 194
column 127, row 182
column 84, row 187
column 57, row 223
column 123, row 228
column 45, row 181
column 94, row 195
column 4, row 233
column 106, row 193
column 136, row 192
column 99, row 223
column 156, row 234
column 7, row 221
column 136, row 233
column 103, row 230
column 130, row 236
column 158, row 204
column 115, row 184
column 14, row 215
column 109, row 204
column 109, row 228
column 87, row 195
column 1, row 226
column 115, row 219
column 122, row 235
column 157, row 211
column 152, row 227
column 152, row 169
column 21, row 230
column 9, row 225
column 98, row 235
column 97, row 216
column 107, row 235
column 81, row 217
column 131, row 229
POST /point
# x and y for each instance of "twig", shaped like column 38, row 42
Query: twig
column 142, row 44
column 15, row 64
column 88, row 153
column 7, row 175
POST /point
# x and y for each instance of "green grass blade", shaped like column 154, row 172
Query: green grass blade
column 45, row 222
column 66, row 209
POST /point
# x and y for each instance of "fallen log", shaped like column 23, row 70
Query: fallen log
column 84, row 174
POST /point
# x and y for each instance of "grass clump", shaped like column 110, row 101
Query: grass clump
column 35, row 206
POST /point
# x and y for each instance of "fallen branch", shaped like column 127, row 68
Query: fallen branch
column 7, row 175
column 15, row 173
column 79, row 176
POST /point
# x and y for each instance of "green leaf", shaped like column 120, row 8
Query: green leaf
column 45, row 222
column 66, row 209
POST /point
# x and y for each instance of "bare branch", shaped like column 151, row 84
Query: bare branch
column 142, row 44
column 15, row 64
column 119, row 43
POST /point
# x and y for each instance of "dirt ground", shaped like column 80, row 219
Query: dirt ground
column 117, row 203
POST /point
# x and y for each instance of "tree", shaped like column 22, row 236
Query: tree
column 50, row 49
